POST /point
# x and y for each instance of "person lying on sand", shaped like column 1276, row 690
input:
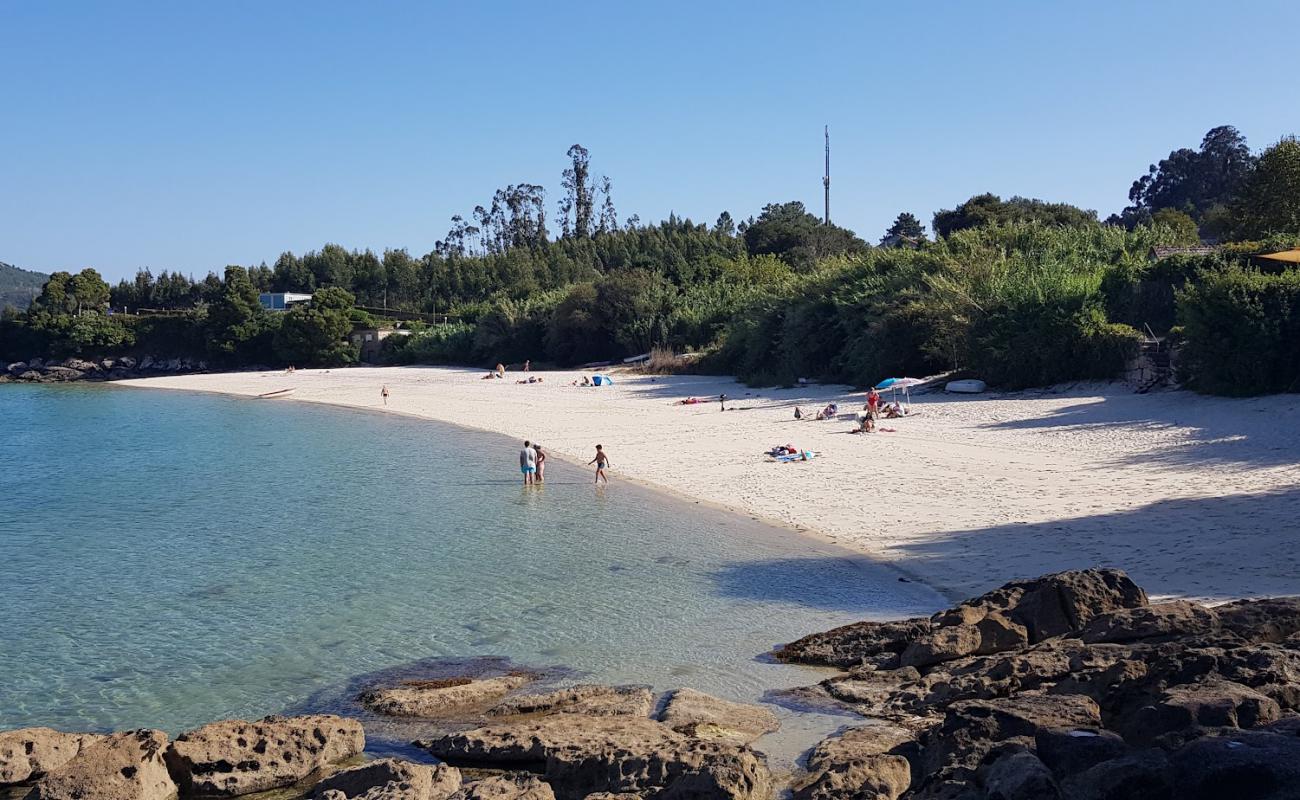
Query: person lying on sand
column 690, row 401
column 866, row 426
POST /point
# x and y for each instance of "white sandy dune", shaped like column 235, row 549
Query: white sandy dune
column 1196, row 497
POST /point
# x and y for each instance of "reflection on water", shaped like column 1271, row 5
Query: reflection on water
column 173, row 559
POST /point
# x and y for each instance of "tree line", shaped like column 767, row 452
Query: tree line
column 1020, row 291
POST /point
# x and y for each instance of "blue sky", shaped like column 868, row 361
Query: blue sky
column 193, row 135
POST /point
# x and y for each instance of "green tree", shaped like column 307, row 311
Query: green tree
column 1270, row 198
column 236, row 319
column 316, row 333
column 788, row 231
column 1192, row 181
column 906, row 225
column 1183, row 226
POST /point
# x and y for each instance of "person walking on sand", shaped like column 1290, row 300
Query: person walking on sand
column 601, row 461
column 384, row 393
column 527, row 365
column 541, row 464
column 722, row 402
column 528, row 462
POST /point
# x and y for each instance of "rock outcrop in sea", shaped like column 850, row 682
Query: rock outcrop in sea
column 1069, row 686
column 1072, row 686
column 39, row 370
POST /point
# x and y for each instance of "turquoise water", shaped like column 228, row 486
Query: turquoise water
column 174, row 558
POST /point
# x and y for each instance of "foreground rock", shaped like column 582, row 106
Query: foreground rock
column 1069, row 686
column 515, row 786
column 234, row 757
column 592, row 699
column 706, row 717
column 391, row 779
column 580, row 755
column 439, row 698
column 867, row 762
column 29, row 753
column 123, row 766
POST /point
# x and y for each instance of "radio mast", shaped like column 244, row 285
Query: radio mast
column 826, row 181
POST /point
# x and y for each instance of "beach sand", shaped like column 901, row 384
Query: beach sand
column 1195, row 497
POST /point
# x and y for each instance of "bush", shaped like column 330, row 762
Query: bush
column 438, row 344
column 1241, row 332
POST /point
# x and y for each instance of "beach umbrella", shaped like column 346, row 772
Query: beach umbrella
column 894, row 384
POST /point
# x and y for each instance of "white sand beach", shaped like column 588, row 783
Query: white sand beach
column 1196, row 497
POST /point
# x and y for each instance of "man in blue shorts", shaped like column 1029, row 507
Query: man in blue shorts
column 528, row 462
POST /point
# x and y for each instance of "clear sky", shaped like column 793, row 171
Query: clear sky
column 186, row 135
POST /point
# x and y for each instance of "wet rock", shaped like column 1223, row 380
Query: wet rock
column 579, row 755
column 31, row 376
column 1160, row 621
column 860, row 763
column 1144, row 775
column 126, row 362
column 851, row 645
column 234, row 757
column 706, row 717
column 1069, row 751
column 515, row 786
column 391, row 779
column 29, row 753
column 17, row 368
column 432, row 699
column 123, row 766
column 1268, row 620
column 1019, row 775
column 592, row 699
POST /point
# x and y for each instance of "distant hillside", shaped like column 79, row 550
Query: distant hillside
column 18, row 287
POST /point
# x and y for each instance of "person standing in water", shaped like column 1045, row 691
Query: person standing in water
column 528, row 462
column 601, row 461
column 384, row 393
column 541, row 464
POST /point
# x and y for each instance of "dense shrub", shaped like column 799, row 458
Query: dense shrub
column 1241, row 332
column 438, row 344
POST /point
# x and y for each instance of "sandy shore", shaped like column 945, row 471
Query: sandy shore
column 1196, row 497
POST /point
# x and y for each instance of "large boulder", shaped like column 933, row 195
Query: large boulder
column 29, row 753
column 973, row 729
column 80, row 364
column 234, row 757
column 513, row 786
column 1243, row 765
column 859, row 764
column 61, row 374
column 1069, row 751
column 592, row 699
column 1063, row 602
column 391, row 779
column 1162, row 621
column 941, row 644
column 1019, row 775
column 438, row 698
column 876, row 643
column 579, row 755
column 123, row 766
column 1269, row 620
column 706, row 717
column 1142, row 775
column 1213, row 703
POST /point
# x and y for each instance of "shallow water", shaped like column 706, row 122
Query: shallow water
column 173, row 558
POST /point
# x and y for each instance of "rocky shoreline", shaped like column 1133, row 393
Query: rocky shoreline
column 38, row 370
column 1070, row 686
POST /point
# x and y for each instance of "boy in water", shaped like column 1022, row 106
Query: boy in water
column 528, row 462
column 601, row 461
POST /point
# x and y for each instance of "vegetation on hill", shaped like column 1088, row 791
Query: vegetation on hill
column 1021, row 292
column 18, row 287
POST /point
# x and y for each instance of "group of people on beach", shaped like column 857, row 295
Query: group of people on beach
column 532, row 463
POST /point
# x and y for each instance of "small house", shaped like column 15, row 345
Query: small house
column 370, row 341
column 282, row 301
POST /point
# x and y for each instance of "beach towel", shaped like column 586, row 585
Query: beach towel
column 797, row 457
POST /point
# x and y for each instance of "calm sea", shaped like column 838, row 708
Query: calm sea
column 168, row 559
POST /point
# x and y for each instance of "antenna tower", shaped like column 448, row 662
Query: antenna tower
column 826, row 181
